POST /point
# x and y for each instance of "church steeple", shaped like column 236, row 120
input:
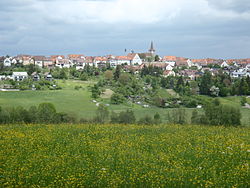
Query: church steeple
column 152, row 50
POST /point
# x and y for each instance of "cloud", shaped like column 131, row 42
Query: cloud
column 179, row 27
column 116, row 11
column 239, row 6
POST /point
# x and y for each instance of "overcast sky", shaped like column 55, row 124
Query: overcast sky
column 189, row 28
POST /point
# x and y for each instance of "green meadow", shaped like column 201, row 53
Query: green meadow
column 79, row 102
column 124, row 156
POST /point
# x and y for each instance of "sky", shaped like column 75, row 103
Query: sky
column 185, row 28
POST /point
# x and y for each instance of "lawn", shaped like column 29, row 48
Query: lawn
column 79, row 102
column 124, row 156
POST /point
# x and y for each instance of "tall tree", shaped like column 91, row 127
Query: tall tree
column 117, row 72
column 206, row 83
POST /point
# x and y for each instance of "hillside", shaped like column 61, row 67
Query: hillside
column 80, row 104
column 124, row 156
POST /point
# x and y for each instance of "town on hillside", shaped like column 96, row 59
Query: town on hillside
column 170, row 65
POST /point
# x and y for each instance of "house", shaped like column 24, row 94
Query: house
column 7, row 62
column 100, row 62
column 191, row 74
column 76, row 56
column 130, row 59
column 39, row 60
column 120, row 60
column 35, row 76
column 175, row 61
column 63, row 63
column 77, row 60
column 2, row 59
column 168, row 73
column 190, row 63
column 48, row 76
column 26, row 59
column 134, row 68
column 182, row 62
column 55, row 57
column 171, row 60
column 79, row 63
column 169, row 67
column 19, row 76
column 89, row 61
column 14, row 61
column 159, row 65
column 48, row 62
column 239, row 73
column 224, row 65
column 134, row 59
column 199, row 63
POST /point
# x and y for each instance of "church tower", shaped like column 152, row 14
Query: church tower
column 152, row 50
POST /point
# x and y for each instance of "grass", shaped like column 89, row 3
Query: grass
column 79, row 102
column 124, row 156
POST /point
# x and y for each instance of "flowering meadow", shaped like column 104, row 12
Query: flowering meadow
column 124, row 156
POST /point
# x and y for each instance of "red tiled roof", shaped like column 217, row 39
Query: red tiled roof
column 100, row 58
column 131, row 56
column 75, row 56
column 169, row 58
column 122, row 58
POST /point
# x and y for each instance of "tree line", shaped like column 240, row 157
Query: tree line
column 214, row 113
column 44, row 113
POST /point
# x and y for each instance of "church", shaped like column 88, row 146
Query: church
column 150, row 53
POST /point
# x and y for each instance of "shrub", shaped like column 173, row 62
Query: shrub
column 126, row 117
column 102, row 114
column 146, row 120
column 117, row 98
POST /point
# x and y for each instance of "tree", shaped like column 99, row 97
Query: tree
column 196, row 118
column 217, row 114
column 124, row 78
column 243, row 88
column 63, row 74
column 127, row 117
column 117, row 72
column 206, row 83
column 146, row 120
column 84, row 77
column 117, row 98
column 157, row 118
column 46, row 112
column 157, row 58
column 114, row 118
column 108, row 75
column 243, row 101
column 214, row 91
column 102, row 114
column 33, row 114
column 96, row 92
column 179, row 116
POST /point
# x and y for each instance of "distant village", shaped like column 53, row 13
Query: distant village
column 171, row 65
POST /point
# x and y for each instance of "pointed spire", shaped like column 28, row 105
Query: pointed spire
column 152, row 50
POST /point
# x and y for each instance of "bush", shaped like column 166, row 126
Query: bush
column 78, row 87
column 126, row 117
column 46, row 112
column 243, row 101
column 146, row 120
column 84, row 77
column 102, row 114
column 157, row 118
column 218, row 114
column 117, row 98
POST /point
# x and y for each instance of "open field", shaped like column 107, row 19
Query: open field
column 79, row 102
column 124, row 156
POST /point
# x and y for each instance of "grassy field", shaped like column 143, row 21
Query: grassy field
column 124, row 156
column 79, row 102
